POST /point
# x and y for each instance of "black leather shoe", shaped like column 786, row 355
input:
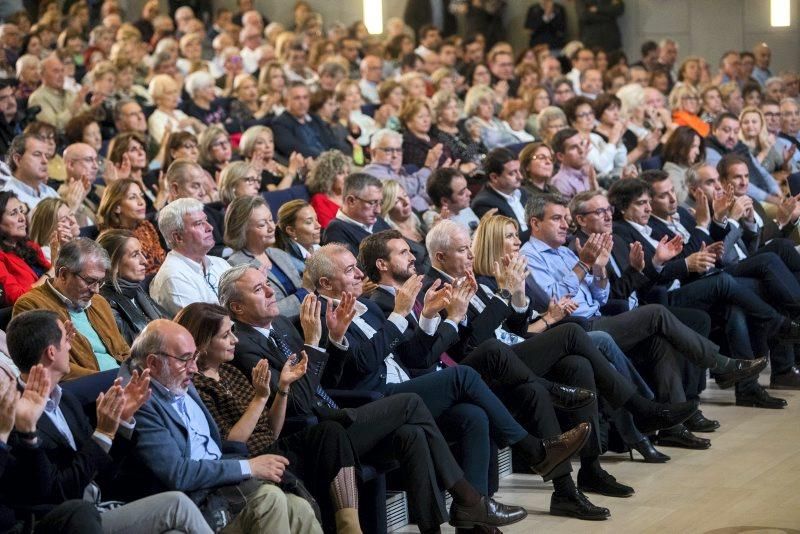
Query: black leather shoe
column 664, row 416
column 487, row 513
column 560, row 448
column 743, row 369
column 788, row 380
column 605, row 484
column 650, row 454
column 760, row 399
column 570, row 397
column 681, row 437
column 699, row 423
column 577, row 506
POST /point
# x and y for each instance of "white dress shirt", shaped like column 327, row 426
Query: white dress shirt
column 515, row 203
column 181, row 281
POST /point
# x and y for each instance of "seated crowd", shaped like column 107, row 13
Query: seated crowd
column 244, row 224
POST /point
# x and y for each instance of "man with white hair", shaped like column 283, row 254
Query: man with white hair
column 387, row 164
column 251, row 40
column 188, row 274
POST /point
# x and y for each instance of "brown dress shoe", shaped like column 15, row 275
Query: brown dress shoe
column 560, row 448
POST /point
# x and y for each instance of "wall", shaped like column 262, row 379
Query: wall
column 701, row 27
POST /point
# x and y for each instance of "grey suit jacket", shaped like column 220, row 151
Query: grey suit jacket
column 289, row 305
column 163, row 445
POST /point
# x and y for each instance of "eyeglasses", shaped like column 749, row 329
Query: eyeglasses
column 542, row 157
column 189, row 146
column 89, row 283
column 584, row 115
column 690, row 97
column 250, row 180
column 390, row 150
column 600, row 212
column 772, row 115
column 221, row 143
column 370, row 203
column 185, row 359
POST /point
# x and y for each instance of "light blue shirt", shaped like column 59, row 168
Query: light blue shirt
column 28, row 194
column 552, row 270
column 56, row 416
column 81, row 321
column 202, row 447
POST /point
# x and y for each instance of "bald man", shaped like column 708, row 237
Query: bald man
column 58, row 105
column 371, row 73
column 761, row 71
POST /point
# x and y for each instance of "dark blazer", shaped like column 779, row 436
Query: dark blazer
column 418, row 13
column 24, row 479
column 481, row 326
column 288, row 138
column 698, row 237
column 346, row 233
column 673, row 269
column 769, row 231
column 130, row 316
column 70, row 471
column 422, row 357
column 215, row 213
column 487, row 198
column 253, row 346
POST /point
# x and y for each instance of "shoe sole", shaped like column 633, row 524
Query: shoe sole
column 746, row 404
column 582, row 517
column 679, row 445
column 696, row 429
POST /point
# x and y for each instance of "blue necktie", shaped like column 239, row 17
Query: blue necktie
column 284, row 349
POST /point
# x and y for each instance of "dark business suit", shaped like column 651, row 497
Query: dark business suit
column 289, row 138
column 487, row 198
column 418, row 13
column 349, row 234
column 215, row 213
column 382, row 430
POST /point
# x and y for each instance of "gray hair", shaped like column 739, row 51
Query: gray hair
column 578, row 202
column 474, row 96
column 74, row 255
column 320, row 265
column 550, row 113
column 248, row 140
column 692, row 175
column 324, row 170
column 440, row 237
column 358, row 182
column 170, row 218
column 228, row 292
column 385, row 133
column 774, row 79
column 27, row 60
column 538, row 203
column 198, row 80
column 150, row 340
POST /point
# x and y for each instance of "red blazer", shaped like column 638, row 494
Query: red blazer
column 16, row 276
column 326, row 208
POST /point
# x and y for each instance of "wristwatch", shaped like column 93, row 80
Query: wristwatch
column 504, row 294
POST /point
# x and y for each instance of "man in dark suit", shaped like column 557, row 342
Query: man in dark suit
column 388, row 262
column 359, row 215
column 296, row 130
column 772, row 270
column 385, row 429
column 376, row 356
column 80, row 460
column 503, row 190
column 419, row 13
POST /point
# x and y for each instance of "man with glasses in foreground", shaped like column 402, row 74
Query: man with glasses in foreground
column 188, row 273
column 359, row 215
column 80, row 272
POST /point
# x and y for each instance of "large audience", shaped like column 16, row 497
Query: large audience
column 283, row 253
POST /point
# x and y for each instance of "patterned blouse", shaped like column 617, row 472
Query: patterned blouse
column 147, row 235
column 228, row 399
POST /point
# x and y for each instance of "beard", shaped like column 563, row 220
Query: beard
column 402, row 275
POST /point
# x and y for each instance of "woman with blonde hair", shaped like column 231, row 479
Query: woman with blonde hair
column 766, row 157
column 298, row 231
column 685, row 104
column 246, row 108
column 123, row 207
column 53, row 223
column 165, row 93
column 272, row 87
column 250, row 232
column 257, row 147
column 396, row 210
column 214, row 147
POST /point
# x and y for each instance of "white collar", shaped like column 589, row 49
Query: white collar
column 360, row 307
column 646, row 230
column 516, row 195
column 342, row 217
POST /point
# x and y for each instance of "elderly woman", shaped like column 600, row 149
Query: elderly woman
column 392, row 96
column 447, row 110
column 103, row 84
column 298, row 232
column 766, row 157
column 396, row 211
column 711, row 98
column 239, row 179
column 348, row 96
column 479, row 106
column 165, row 92
column 123, row 207
column 126, row 87
column 685, row 103
column 132, row 307
column 250, row 232
column 214, row 147
column 204, row 104
column 326, row 184
column 22, row 263
column 413, row 84
column 417, row 141
column 551, row 121
column 536, row 164
column 514, row 115
column 683, row 149
column 257, row 147
column 643, row 133
column 53, row 223
column 245, row 108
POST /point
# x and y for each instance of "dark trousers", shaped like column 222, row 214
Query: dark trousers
column 71, row 517
column 785, row 250
column 401, row 428
column 777, row 282
column 693, row 376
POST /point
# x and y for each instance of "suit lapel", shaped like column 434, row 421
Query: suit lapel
column 46, row 426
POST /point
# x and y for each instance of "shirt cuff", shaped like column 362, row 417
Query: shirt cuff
column 344, row 345
column 102, row 440
column 521, row 309
column 245, row 466
column 399, row 321
column 429, row 326
column 126, row 429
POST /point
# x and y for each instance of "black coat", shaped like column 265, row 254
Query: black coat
column 288, row 139
column 130, row 316
column 418, row 13
column 487, row 198
column 347, row 233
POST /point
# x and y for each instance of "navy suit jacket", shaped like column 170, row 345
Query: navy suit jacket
column 487, row 198
column 673, row 269
column 698, row 237
column 288, row 139
column 347, row 233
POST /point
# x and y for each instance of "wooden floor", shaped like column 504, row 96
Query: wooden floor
column 748, row 481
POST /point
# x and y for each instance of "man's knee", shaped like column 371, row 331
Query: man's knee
column 302, row 518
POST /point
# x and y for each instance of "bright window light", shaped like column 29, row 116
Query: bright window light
column 373, row 16
column 779, row 13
